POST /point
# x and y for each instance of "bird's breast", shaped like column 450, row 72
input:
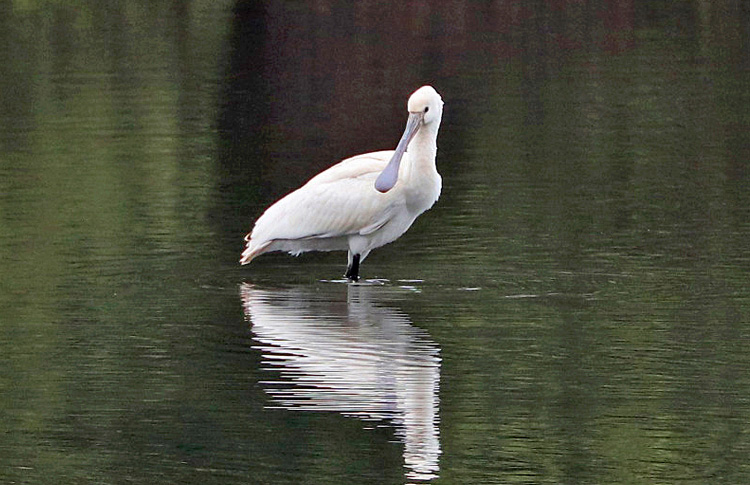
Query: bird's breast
column 421, row 196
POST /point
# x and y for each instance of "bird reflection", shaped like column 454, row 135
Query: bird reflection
column 354, row 357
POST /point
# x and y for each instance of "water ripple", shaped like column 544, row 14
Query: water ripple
column 347, row 354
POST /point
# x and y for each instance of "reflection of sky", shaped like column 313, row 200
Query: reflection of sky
column 354, row 358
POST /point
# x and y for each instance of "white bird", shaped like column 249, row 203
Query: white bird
column 363, row 202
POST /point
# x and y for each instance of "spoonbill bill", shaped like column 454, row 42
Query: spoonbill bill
column 363, row 202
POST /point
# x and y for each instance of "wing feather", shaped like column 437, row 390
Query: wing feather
column 338, row 202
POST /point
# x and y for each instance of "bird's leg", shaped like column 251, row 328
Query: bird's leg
column 352, row 271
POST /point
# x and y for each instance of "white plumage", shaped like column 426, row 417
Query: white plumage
column 363, row 202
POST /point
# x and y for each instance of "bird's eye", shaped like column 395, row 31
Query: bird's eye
column 426, row 109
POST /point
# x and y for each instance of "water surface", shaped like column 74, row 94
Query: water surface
column 574, row 309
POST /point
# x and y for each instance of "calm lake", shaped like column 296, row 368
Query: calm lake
column 574, row 309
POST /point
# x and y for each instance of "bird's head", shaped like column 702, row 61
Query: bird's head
column 426, row 104
column 425, row 111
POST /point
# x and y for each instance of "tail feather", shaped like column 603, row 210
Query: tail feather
column 252, row 250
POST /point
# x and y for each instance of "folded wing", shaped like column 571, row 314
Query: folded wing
column 339, row 202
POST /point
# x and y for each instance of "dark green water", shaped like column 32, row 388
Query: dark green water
column 575, row 309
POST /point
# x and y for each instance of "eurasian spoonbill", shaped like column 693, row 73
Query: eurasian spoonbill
column 363, row 202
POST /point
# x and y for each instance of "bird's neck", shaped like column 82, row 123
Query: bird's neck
column 422, row 151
